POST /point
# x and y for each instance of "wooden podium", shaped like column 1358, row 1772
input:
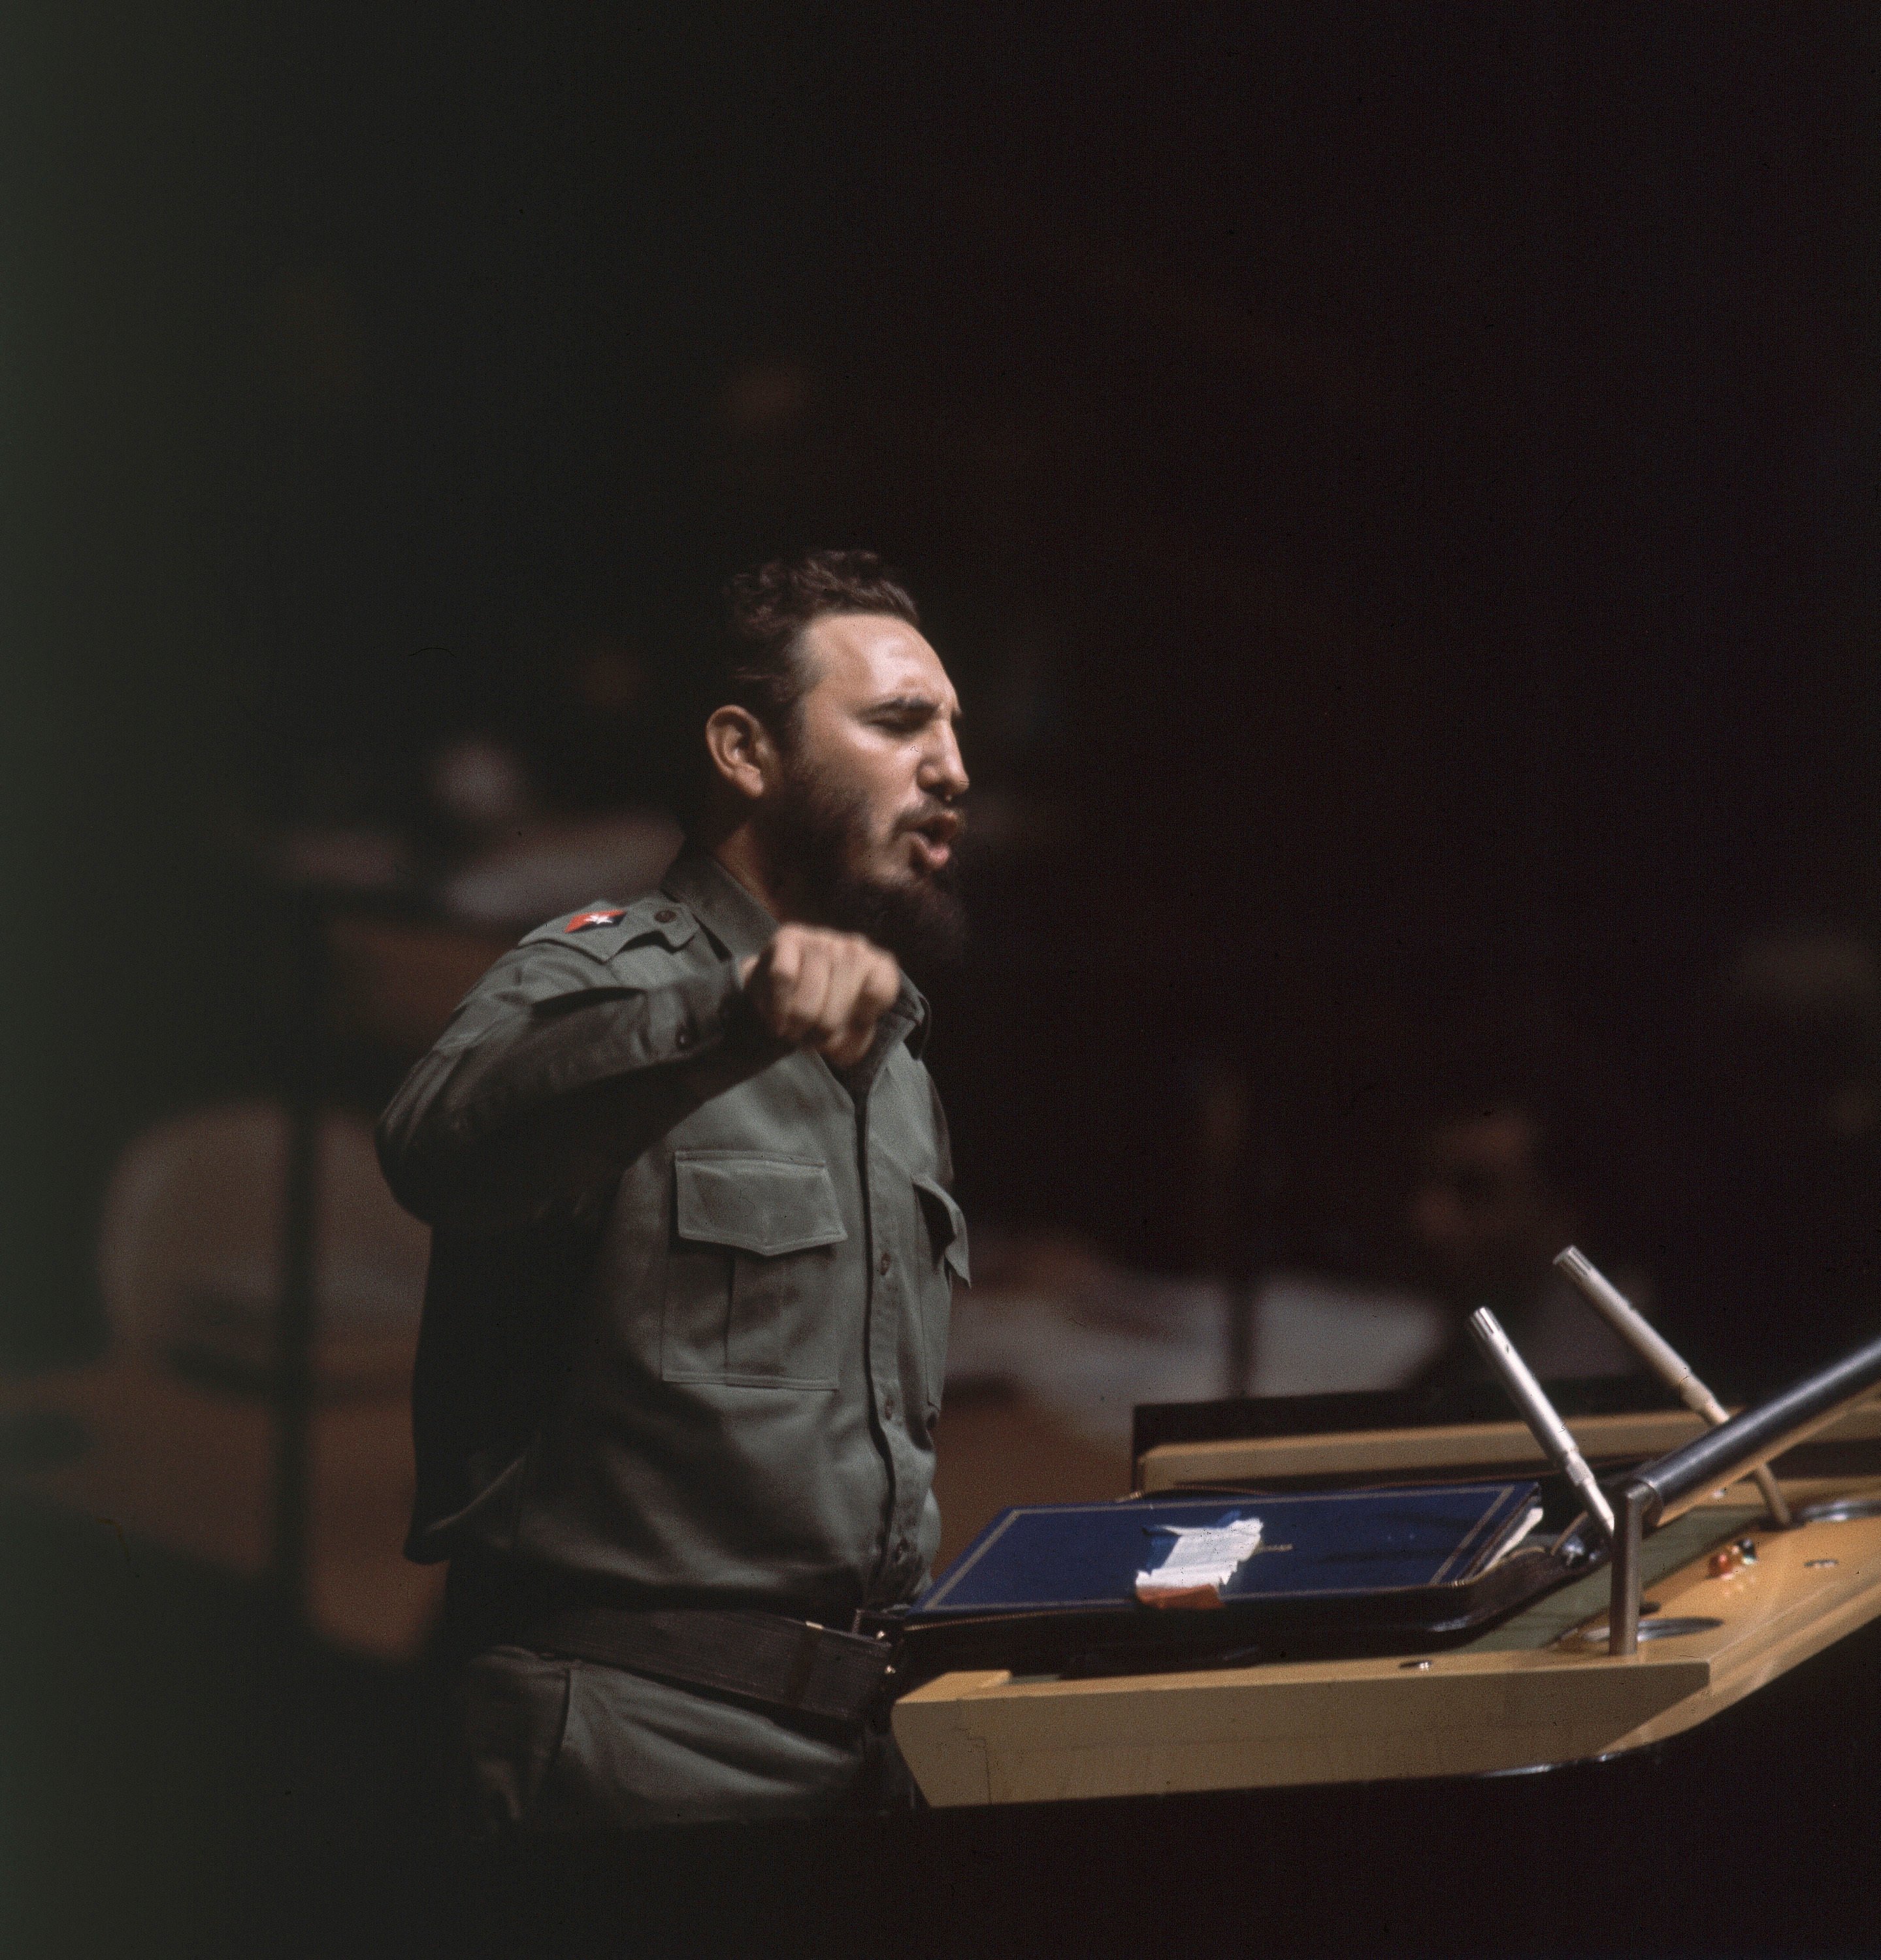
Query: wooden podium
column 1538, row 1691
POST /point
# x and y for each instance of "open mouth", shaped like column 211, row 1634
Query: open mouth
column 934, row 838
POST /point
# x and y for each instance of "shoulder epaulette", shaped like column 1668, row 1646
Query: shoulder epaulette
column 602, row 929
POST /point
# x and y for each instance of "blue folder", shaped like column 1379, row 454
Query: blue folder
column 1317, row 1547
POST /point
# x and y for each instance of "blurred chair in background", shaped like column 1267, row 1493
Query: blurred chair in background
column 186, row 1415
column 190, row 1246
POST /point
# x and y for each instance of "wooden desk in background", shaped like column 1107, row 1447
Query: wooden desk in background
column 188, row 1468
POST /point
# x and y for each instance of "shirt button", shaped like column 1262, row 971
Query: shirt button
column 882, row 1264
column 888, row 1405
column 664, row 916
column 683, row 1039
column 901, row 1547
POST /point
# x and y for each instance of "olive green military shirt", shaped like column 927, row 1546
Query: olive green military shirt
column 686, row 1320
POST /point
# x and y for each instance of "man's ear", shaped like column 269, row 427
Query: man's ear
column 742, row 750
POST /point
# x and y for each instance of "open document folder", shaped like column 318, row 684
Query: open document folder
column 1307, row 1568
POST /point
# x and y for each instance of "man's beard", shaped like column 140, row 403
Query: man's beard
column 820, row 836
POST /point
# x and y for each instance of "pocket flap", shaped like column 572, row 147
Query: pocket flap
column 946, row 1225
column 767, row 1205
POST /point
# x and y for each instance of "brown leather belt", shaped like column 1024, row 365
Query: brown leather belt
column 793, row 1664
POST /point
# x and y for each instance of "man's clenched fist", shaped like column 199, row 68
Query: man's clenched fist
column 826, row 990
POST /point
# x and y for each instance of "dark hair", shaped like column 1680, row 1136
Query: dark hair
column 752, row 654
column 766, row 611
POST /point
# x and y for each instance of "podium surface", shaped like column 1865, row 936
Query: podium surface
column 1537, row 1690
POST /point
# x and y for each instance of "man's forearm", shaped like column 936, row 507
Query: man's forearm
column 532, row 1103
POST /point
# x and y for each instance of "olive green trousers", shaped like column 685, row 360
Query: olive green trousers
column 551, row 1744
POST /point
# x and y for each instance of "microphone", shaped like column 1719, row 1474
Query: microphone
column 1544, row 1422
column 1662, row 1358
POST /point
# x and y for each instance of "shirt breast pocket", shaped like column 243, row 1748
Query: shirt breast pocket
column 752, row 1299
column 945, row 1226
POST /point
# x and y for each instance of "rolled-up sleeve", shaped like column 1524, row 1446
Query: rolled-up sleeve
column 556, row 1073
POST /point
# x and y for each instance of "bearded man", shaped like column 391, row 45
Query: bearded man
column 693, row 1250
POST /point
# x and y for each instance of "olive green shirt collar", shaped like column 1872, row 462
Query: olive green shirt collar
column 744, row 928
column 740, row 923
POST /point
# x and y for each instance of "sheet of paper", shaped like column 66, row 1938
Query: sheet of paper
column 1203, row 1558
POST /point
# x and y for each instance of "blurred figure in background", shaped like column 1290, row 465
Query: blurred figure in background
column 1511, row 1170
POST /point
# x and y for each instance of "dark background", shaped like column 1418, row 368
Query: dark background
column 1397, row 486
